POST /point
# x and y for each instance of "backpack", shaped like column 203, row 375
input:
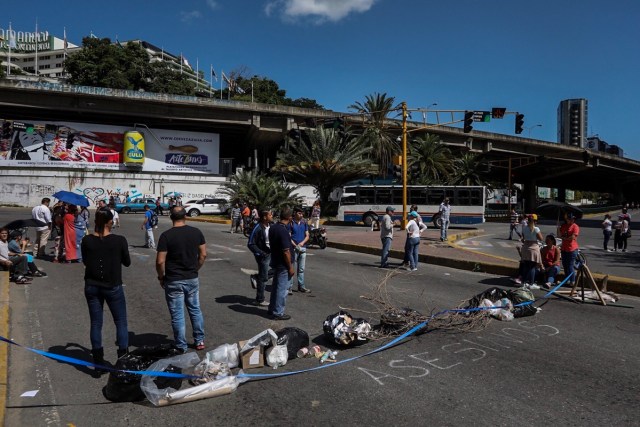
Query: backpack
column 154, row 219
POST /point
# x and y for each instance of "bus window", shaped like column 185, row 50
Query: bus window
column 366, row 196
column 384, row 196
column 463, row 198
column 397, row 196
column 476, row 197
column 436, row 196
column 417, row 196
column 348, row 199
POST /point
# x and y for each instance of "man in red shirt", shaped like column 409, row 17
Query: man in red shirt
column 569, row 232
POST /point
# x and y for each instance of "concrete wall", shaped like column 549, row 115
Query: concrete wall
column 28, row 187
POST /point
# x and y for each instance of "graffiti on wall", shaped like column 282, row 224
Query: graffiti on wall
column 116, row 194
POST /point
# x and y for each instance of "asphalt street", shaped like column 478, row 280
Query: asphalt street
column 494, row 241
column 570, row 364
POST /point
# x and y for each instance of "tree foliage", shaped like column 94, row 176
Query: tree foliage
column 376, row 135
column 469, row 169
column 429, row 160
column 265, row 91
column 326, row 161
column 262, row 191
column 104, row 64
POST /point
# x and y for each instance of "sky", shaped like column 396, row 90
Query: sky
column 524, row 55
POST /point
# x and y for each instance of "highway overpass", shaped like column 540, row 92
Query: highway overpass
column 251, row 133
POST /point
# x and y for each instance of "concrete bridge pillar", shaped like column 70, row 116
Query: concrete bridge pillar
column 562, row 194
column 529, row 195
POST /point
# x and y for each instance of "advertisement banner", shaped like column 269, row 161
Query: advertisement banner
column 87, row 145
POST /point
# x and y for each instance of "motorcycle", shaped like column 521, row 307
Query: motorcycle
column 318, row 236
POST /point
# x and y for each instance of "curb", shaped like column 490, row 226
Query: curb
column 621, row 285
column 4, row 350
column 211, row 220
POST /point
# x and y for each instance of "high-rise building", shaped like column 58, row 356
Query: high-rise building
column 572, row 122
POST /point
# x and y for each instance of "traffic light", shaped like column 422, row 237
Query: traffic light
column 397, row 171
column 519, row 123
column 468, row 121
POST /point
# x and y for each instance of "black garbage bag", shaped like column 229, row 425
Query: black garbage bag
column 492, row 294
column 125, row 387
column 342, row 328
column 294, row 339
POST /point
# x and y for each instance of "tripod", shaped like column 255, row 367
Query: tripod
column 583, row 274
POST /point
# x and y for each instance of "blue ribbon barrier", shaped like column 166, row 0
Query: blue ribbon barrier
column 413, row 330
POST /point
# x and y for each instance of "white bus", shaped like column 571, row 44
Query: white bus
column 367, row 202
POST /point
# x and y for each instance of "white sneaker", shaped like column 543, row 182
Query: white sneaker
column 534, row 286
column 547, row 286
column 516, row 281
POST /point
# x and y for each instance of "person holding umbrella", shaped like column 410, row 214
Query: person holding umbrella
column 569, row 232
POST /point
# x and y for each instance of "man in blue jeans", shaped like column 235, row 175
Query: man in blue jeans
column 181, row 253
column 299, row 230
column 386, row 236
column 259, row 246
column 280, row 243
column 148, row 228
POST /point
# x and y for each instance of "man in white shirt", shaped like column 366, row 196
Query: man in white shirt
column 445, row 212
column 42, row 213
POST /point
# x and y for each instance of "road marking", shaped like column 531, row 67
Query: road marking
column 217, row 259
column 227, row 248
column 342, row 252
column 506, row 244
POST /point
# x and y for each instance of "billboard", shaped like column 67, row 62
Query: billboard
column 88, row 145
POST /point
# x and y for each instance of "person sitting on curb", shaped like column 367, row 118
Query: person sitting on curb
column 550, row 261
column 16, row 264
column 18, row 245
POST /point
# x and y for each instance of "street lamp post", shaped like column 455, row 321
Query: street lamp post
column 534, row 126
column 425, row 111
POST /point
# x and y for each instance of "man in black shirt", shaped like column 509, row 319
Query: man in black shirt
column 181, row 253
column 280, row 243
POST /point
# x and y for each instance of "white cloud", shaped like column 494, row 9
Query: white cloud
column 212, row 4
column 332, row 10
column 190, row 16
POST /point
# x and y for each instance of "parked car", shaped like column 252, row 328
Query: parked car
column 137, row 205
column 207, row 207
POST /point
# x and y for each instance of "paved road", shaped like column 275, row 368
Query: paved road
column 494, row 241
column 569, row 365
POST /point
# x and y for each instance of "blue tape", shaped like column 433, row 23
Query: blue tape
column 74, row 361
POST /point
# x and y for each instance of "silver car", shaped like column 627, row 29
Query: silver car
column 207, row 207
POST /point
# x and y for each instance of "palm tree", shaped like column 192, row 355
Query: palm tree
column 430, row 159
column 262, row 191
column 469, row 169
column 376, row 135
column 326, row 161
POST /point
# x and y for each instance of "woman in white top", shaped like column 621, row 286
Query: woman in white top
column 530, row 252
column 606, row 231
column 414, row 229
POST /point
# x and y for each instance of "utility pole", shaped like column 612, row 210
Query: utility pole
column 404, row 165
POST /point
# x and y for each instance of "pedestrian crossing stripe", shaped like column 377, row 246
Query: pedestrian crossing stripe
column 227, row 248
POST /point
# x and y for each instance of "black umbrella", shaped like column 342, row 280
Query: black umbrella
column 24, row 223
column 556, row 210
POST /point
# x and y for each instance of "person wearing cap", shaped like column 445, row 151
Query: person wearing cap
column 569, row 232
column 530, row 252
column 445, row 213
column 414, row 228
column 386, row 236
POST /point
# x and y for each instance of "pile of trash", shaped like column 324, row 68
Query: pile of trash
column 344, row 329
column 216, row 374
column 507, row 304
